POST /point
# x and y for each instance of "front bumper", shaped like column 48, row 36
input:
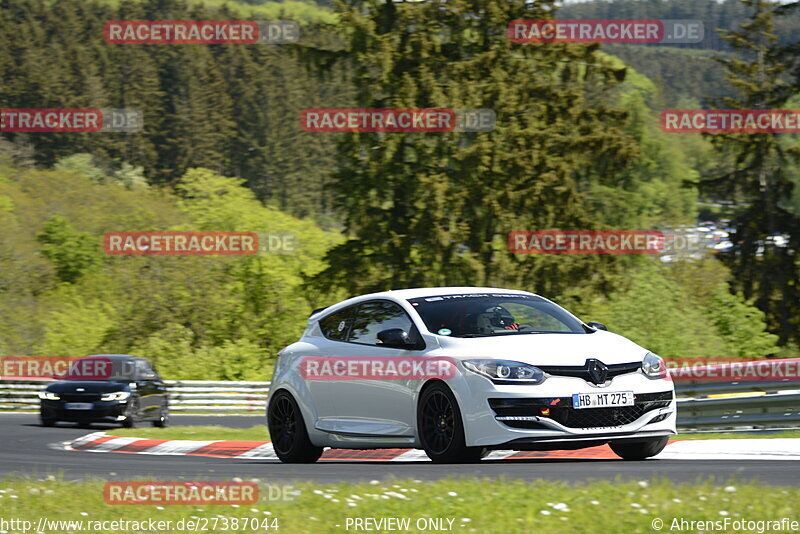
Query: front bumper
column 541, row 417
column 103, row 411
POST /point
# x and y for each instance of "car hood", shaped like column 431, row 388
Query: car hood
column 547, row 349
column 89, row 386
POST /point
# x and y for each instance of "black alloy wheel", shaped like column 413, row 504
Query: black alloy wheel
column 440, row 429
column 288, row 431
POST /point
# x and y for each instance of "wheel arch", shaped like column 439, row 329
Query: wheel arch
column 305, row 411
column 427, row 385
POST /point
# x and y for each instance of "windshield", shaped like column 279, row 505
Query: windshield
column 100, row 368
column 482, row 315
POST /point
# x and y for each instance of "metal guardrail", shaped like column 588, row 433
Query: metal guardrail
column 701, row 405
column 732, row 405
column 184, row 395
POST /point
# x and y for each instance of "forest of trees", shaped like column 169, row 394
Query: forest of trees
column 687, row 74
column 577, row 146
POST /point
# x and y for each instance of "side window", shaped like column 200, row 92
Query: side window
column 336, row 325
column 372, row 317
column 154, row 371
column 141, row 370
column 144, row 371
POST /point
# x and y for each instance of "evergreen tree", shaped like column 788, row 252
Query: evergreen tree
column 756, row 176
column 435, row 208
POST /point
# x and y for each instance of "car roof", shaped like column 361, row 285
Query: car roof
column 437, row 291
column 405, row 294
column 115, row 356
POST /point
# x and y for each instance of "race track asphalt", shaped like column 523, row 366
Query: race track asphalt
column 29, row 449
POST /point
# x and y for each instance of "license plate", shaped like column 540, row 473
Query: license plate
column 78, row 405
column 602, row 400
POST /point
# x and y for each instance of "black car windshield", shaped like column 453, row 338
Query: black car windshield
column 493, row 314
column 100, row 368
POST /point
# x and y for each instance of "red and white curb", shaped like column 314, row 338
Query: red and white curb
column 712, row 449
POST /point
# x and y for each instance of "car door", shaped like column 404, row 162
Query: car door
column 148, row 393
column 160, row 395
column 335, row 328
column 376, row 406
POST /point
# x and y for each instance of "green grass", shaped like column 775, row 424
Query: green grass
column 474, row 505
column 201, row 433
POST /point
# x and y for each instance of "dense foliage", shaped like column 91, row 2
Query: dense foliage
column 576, row 146
column 196, row 316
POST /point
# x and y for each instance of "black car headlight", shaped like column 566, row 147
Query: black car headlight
column 506, row 371
column 48, row 395
column 116, row 396
column 653, row 366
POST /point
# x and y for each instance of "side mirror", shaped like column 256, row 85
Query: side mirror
column 597, row 326
column 395, row 338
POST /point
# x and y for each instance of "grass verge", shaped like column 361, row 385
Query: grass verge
column 459, row 505
column 200, row 433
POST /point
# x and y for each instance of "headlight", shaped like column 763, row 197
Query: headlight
column 118, row 395
column 48, row 395
column 506, row 372
column 654, row 366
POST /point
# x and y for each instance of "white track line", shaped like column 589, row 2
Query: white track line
column 413, row 455
column 113, row 444
column 499, row 455
column 85, row 439
column 177, row 447
column 733, row 449
column 266, row 452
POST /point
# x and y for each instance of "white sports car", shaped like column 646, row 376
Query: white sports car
column 458, row 371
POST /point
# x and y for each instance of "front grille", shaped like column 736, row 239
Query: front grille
column 561, row 410
column 79, row 397
column 614, row 370
column 598, row 417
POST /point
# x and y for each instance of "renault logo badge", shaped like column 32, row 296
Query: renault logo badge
column 598, row 371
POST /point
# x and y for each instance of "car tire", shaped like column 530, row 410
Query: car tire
column 163, row 418
column 640, row 449
column 440, row 428
column 287, row 429
column 48, row 421
column 130, row 414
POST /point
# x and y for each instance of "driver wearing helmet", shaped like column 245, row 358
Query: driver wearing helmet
column 495, row 318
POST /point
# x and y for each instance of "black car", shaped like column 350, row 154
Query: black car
column 107, row 388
